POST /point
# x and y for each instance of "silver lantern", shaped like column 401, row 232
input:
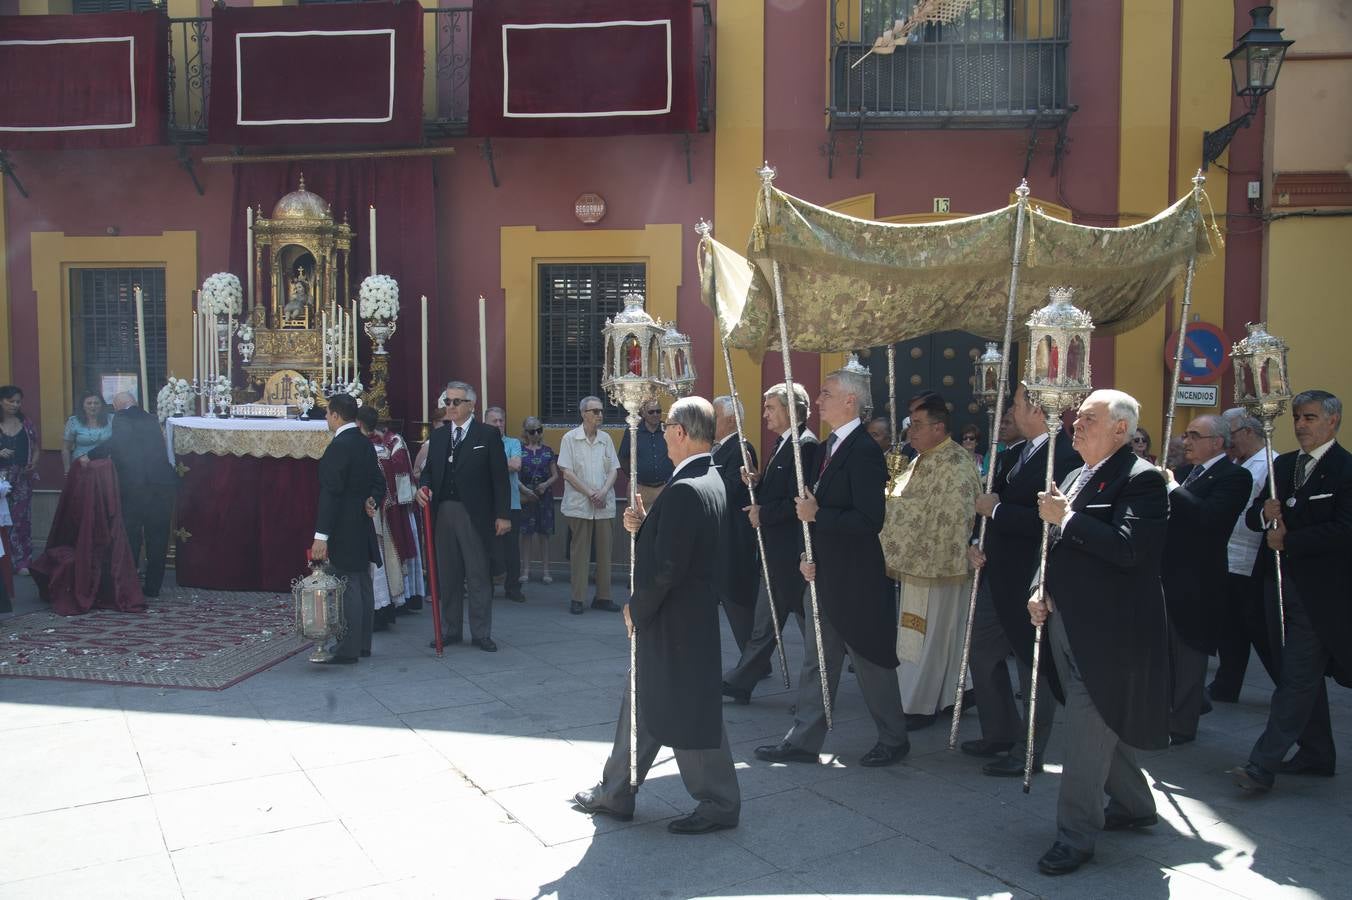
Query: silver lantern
column 677, row 366
column 319, row 610
column 986, row 377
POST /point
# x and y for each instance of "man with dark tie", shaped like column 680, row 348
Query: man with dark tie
column 858, row 614
column 466, row 483
column 741, row 557
column 1310, row 523
column 1010, row 560
column 1202, row 513
column 1105, row 627
column 777, row 487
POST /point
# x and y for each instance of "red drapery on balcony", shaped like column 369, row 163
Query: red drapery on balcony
column 592, row 67
column 310, row 75
column 82, row 82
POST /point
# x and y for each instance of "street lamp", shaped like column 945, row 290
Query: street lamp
column 1254, row 65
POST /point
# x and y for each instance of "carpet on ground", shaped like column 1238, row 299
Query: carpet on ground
column 187, row 638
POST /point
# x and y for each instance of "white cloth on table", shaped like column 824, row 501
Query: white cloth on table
column 219, row 424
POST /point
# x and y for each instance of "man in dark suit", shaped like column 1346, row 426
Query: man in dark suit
column 466, row 482
column 1310, row 522
column 351, row 488
column 858, row 613
column 1010, row 560
column 777, row 488
column 675, row 611
column 1202, row 513
column 1105, row 619
column 741, row 557
column 146, row 482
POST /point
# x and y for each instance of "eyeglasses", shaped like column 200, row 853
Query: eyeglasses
column 652, row 412
column 1139, row 440
column 969, row 438
column 670, row 424
column 456, row 401
column 1198, row 436
column 596, row 411
column 535, row 431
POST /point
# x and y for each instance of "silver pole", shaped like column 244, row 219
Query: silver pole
column 1053, row 428
column 1197, row 181
column 1276, row 554
column 892, row 395
column 632, row 419
column 997, row 413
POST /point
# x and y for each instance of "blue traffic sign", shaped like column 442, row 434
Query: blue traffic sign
column 1206, row 354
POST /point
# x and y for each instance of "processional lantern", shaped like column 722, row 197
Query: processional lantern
column 677, row 367
column 633, row 362
column 1261, row 383
column 986, row 380
column 319, row 610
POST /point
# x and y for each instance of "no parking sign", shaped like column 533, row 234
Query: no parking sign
column 1206, row 354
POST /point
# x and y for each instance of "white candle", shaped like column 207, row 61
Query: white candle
column 483, row 354
column 249, row 251
column 141, row 343
column 230, row 348
column 323, row 337
column 426, row 409
column 353, row 345
column 196, row 341
column 373, row 240
column 340, row 354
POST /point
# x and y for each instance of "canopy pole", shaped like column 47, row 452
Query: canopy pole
column 767, row 175
column 892, row 394
column 1002, row 389
column 1197, row 181
column 704, row 228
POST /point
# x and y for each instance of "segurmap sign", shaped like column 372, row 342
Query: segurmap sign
column 1198, row 395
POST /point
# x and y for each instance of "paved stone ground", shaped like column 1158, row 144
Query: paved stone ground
column 411, row 776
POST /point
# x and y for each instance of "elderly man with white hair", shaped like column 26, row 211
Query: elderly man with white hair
column 1105, row 623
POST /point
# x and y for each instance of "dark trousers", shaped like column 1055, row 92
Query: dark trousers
column 1188, row 674
column 1002, row 719
column 1300, row 705
column 741, row 618
column 462, row 569
column 787, row 586
column 145, row 513
column 359, row 613
column 511, row 554
column 1243, row 625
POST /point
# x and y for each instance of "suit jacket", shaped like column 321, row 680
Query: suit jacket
column 1201, row 518
column 349, row 474
column 1318, row 541
column 1014, row 540
column 477, row 477
column 675, row 611
column 1103, row 575
column 781, row 532
column 852, row 582
column 137, row 451
column 741, row 557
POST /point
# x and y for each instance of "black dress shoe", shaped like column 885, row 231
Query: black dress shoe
column 1063, row 859
column 365, row 653
column 1301, row 764
column 985, row 748
column 1222, row 694
column 447, row 640
column 516, row 596
column 696, row 824
column 917, row 721
column 336, row 661
column 740, row 696
column 586, row 801
column 486, row 644
column 1120, row 821
column 604, row 605
column 785, row 752
column 575, row 607
column 884, row 755
column 1009, row 767
column 412, row 604
column 1252, row 777
column 1206, row 705
column 1177, row 740
column 380, row 623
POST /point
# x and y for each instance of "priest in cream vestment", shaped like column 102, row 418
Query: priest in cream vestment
column 930, row 511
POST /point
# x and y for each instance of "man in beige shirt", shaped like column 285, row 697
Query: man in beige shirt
column 588, row 464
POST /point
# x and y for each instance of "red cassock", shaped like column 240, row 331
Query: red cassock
column 392, row 454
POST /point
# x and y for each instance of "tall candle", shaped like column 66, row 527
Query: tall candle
column 353, row 345
column 323, row 338
column 230, row 347
column 340, row 354
column 196, row 348
column 373, row 240
column 483, row 354
column 141, row 342
column 249, row 250
column 426, row 410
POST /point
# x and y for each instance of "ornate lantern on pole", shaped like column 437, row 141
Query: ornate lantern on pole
column 634, row 365
column 1263, row 387
column 677, row 367
column 986, row 381
column 1058, row 379
column 319, row 610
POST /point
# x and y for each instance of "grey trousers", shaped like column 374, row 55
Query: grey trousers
column 1001, row 718
column 709, row 775
column 462, row 568
column 359, row 612
column 1188, row 677
column 1097, row 762
column 882, row 695
column 754, row 663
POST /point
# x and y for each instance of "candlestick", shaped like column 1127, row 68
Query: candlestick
column 141, row 342
column 425, row 408
column 230, row 348
column 323, row 343
column 483, row 354
column 196, row 340
column 353, row 372
column 374, row 270
column 249, row 250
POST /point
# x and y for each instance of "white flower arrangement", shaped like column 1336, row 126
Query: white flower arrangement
column 379, row 297
column 245, row 332
column 354, row 390
column 174, row 399
column 221, row 295
column 306, row 391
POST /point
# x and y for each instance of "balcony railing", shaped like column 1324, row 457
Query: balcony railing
column 1002, row 64
column 446, row 69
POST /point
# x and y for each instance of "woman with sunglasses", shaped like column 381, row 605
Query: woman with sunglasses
column 539, row 471
column 1140, row 445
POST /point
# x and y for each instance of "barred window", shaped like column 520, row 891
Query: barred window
column 103, row 330
column 575, row 301
column 84, row 7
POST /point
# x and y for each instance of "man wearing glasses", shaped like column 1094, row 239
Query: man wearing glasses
column 588, row 465
column 654, row 466
column 1202, row 513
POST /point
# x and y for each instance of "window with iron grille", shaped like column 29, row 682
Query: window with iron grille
column 103, row 329
column 575, row 301
column 84, row 7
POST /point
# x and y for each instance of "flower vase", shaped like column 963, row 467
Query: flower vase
column 380, row 331
column 246, row 351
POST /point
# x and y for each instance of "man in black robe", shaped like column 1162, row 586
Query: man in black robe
column 674, row 610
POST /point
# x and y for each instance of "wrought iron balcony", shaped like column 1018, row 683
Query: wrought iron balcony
column 1000, row 64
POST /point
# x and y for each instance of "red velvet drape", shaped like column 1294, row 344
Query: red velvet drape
column 249, row 521
column 403, row 194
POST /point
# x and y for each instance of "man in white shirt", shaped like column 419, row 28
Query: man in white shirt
column 588, row 464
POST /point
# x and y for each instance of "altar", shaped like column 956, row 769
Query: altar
column 247, row 499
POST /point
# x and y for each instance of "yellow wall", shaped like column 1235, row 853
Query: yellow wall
column 54, row 255
column 524, row 248
column 739, row 139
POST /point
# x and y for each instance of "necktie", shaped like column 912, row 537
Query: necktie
column 1026, row 452
column 459, row 436
column 826, row 454
column 1302, row 467
column 765, row 466
column 1195, row 474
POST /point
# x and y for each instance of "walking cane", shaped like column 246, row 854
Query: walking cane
column 430, row 549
